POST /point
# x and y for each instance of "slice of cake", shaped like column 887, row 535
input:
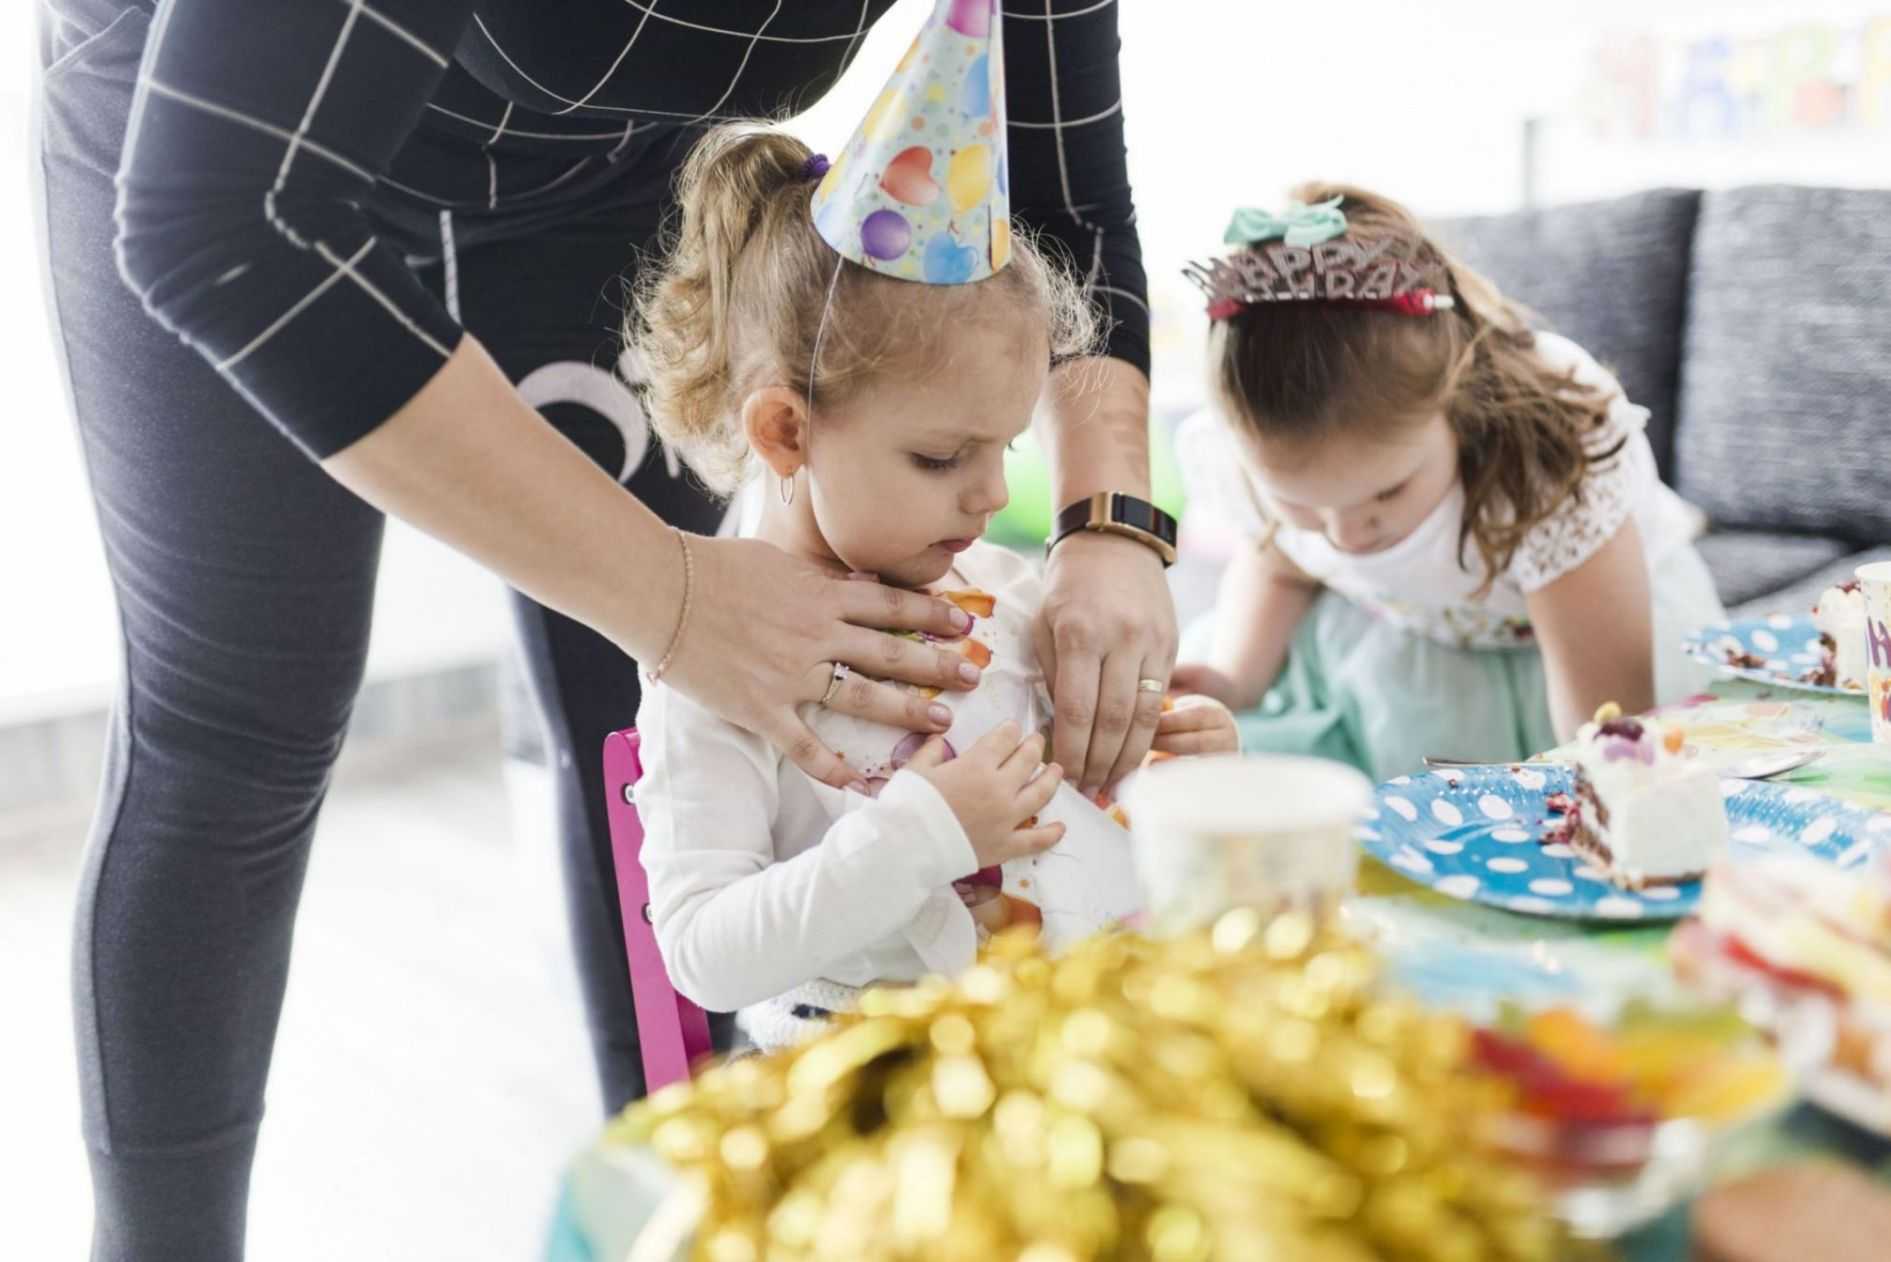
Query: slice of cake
column 1641, row 809
column 1800, row 930
column 1840, row 617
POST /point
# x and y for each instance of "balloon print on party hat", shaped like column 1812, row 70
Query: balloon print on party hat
column 920, row 191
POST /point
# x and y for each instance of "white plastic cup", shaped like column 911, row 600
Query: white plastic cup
column 1875, row 581
column 1271, row 831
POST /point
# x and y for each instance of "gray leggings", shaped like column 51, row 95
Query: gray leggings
column 244, row 578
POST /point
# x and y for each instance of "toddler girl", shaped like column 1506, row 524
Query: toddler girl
column 1458, row 543
column 879, row 410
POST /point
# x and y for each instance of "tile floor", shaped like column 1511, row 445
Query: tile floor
column 431, row 1073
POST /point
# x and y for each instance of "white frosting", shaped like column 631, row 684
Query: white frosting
column 1667, row 818
column 1841, row 615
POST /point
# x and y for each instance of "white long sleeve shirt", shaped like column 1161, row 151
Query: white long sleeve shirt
column 763, row 880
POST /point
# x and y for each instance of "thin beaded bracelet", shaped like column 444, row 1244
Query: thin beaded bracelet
column 682, row 619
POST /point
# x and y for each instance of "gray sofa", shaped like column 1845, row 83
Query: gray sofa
column 1755, row 324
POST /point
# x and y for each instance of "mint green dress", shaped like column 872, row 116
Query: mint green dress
column 1364, row 692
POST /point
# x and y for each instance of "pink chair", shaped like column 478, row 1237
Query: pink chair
column 672, row 1031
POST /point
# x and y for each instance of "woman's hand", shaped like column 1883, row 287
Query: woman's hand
column 764, row 632
column 1108, row 622
column 1198, row 724
column 996, row 788
column 470, row 463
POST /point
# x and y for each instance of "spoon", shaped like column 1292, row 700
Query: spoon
column 1766, row 766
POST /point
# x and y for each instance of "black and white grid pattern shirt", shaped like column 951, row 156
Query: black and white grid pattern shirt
column 283, row 156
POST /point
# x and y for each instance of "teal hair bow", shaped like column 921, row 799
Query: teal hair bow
column 1300, row 225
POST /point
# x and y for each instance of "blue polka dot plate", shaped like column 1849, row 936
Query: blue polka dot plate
column 1786, row 645
column 1475, row 833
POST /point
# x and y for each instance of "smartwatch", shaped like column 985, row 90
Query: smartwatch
column 1114, row 513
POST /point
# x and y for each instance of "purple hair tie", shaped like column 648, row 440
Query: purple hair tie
column 815, row 167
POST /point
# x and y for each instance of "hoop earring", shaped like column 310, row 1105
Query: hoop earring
column 786, row 487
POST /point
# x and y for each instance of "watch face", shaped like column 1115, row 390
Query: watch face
column 1123, row 514
column 1144, row 516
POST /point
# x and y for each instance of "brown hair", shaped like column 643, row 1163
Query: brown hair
column 1300, row 371
column 747, row 286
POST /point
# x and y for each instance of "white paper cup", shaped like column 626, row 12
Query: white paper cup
column 1875, row 581
column 1270, row 831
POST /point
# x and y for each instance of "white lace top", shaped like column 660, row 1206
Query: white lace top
column 1420, row 583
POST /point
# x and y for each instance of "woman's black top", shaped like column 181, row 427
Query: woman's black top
column 290, row 161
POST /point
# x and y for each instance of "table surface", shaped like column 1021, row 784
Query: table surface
column 1734, row 716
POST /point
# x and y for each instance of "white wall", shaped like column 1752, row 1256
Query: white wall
column 1580, row 160
column 1425, row 102
column 58, row 645
column 55, row 610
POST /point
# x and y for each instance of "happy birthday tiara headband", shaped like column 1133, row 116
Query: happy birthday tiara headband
column 1306, row 255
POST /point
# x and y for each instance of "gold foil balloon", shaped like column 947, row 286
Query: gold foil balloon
column 1243, row 1092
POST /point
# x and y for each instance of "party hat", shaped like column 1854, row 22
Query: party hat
column 921, row 190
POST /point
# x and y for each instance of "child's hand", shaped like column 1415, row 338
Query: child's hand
column 1198, row 724
column 991, row 912
column 1202, row 680
column 996, row 788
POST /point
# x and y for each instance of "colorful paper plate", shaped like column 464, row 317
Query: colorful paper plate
column 1787, row 643
column 1475, row 834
